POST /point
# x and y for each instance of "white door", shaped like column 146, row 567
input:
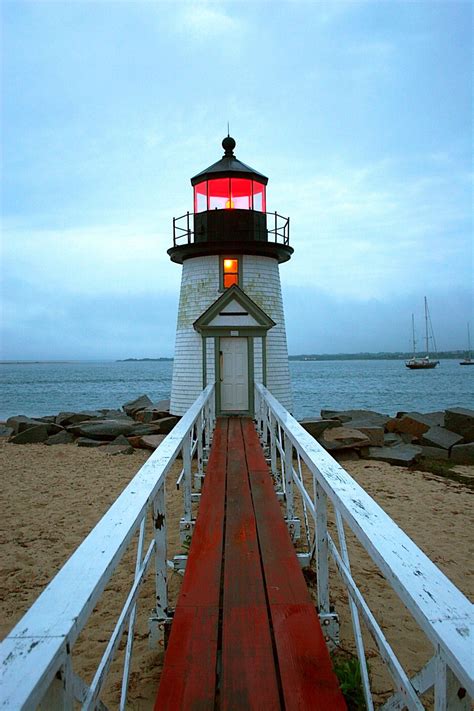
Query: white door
column 234, row 374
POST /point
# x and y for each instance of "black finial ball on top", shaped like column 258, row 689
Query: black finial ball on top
column 228, row 144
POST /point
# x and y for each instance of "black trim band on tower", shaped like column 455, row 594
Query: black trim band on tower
column 281, row 252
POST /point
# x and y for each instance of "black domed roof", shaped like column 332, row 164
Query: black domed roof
column 229, row 166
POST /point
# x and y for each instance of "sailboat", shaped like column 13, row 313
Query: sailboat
column 424, row 363
column 468, row 360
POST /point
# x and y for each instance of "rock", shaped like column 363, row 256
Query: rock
column 32, row 435
column 413, row 424
column 143, row 429
column 136, row 442
column 70, row 418
column 343, row 438
column 149, row 414
column 316, row 426
column 6, row 431
column 440, row 437
column 120, row 445
column 402, row 454
column 112, row 449
column 162, row 406
column 87, row 442
column 103, row 429
column 46, row 418
column 166, row 424
column 54, row 429
column 459, row 420
column 335, row 415
column 432, row 453
column 152, row 441
column 346, row 455
column 431, row 418
column 113, row 414
column 391, row 439
column 463, row 453
column 19, row 423
column 373, row 432
column 138, row 404
column 62, row 437
column 367, row 417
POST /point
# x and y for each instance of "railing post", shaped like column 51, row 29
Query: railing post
column 293, row 523
column 131, row 622
column 288, row 447
column 200, row 467
column 160, row 617
column 60, row 695
column 264, row 424
column 212, row 409
column 207, row 427
column 186, row 524
column 448, row 691
column 273, row 454
column 322, row 552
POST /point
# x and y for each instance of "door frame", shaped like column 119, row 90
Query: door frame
column 252, row 322
column 250, row 375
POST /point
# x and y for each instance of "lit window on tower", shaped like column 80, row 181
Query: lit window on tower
column 230, row 272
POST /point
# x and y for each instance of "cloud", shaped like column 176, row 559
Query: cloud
column 373, row 231
column 205, row 20
column 108, row 259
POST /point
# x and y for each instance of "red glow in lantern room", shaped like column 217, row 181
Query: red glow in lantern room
column 229, row 184
column 230, row 215
column 242, row 188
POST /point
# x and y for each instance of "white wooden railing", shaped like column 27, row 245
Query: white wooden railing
column 36, row 657
column 443, row 613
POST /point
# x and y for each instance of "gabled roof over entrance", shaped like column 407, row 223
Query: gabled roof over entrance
column 234, row 309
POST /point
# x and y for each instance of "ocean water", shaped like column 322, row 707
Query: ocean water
column 36, row 389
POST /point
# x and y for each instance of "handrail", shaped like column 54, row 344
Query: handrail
column 40, row 645
column 441, row 610
column 278, row 228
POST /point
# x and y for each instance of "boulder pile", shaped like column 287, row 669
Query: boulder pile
column 140, row 424
column 402, row 440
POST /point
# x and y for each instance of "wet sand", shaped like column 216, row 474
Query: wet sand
column 53, row 496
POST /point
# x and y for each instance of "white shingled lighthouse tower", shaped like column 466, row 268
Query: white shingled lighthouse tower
column 231, row 325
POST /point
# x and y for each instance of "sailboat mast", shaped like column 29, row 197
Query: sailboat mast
column 468, row 343
column 426, row 328
column 413, row 334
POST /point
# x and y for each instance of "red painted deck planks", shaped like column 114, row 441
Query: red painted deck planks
column 307, row 678
column 202, row 580
column 188, row 679
column 248, row 666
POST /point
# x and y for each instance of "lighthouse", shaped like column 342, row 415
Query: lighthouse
column 231, row 325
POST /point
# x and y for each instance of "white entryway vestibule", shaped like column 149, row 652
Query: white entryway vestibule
column 234, row 374
column 233, row 331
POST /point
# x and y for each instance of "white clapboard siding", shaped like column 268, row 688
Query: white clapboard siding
column 200, row 289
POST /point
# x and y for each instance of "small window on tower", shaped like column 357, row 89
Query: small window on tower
column 230, row 272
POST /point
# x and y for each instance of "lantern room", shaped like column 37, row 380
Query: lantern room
column 230, row 214
column 229, row 194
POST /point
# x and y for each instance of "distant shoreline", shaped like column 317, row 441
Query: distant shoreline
column 442, row 355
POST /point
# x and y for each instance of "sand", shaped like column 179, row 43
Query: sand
column 53, row 496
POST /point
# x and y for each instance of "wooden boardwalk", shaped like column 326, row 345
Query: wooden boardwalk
column 245, row 633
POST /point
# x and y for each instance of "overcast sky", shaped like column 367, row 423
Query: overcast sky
column 359, row 113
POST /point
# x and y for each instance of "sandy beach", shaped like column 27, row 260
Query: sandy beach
column 53, row 496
